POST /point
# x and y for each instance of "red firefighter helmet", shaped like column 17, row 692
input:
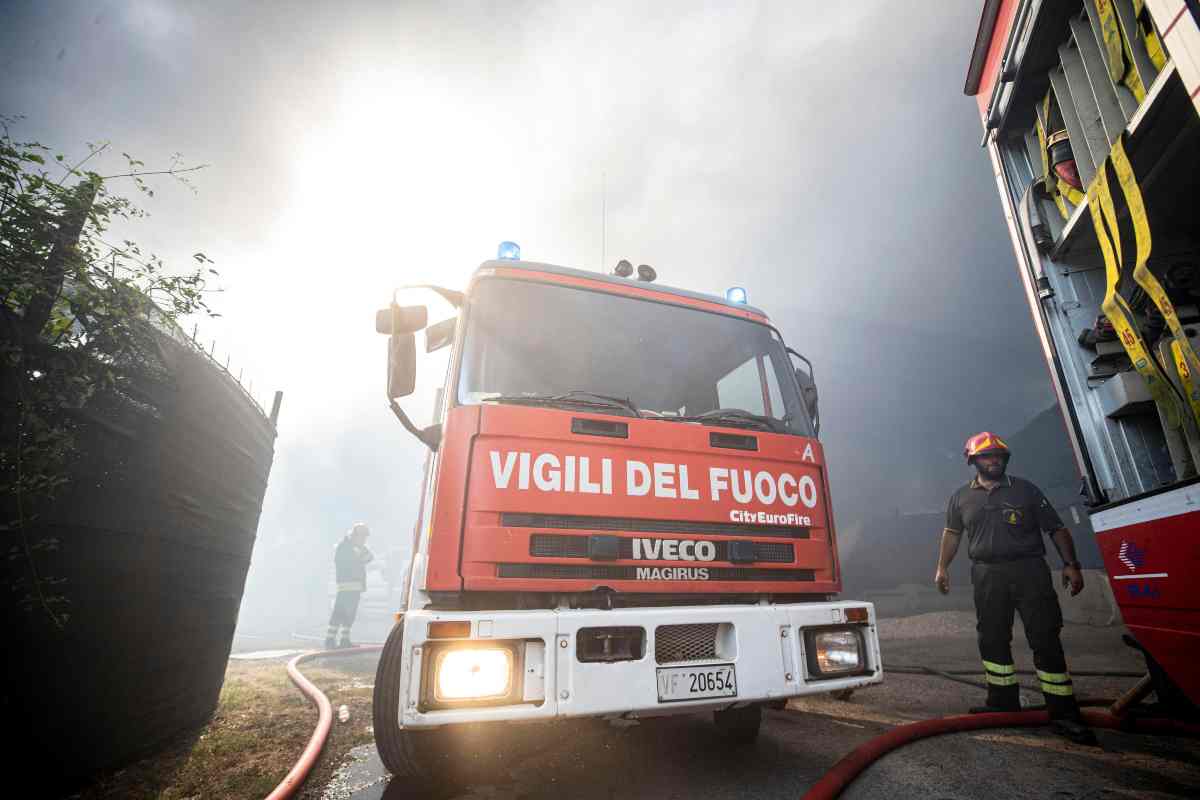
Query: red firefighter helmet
column 1062, row 161
column 985, row 442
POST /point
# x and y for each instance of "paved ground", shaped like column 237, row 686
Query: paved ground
column 685, row 757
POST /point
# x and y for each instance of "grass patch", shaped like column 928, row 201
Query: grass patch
column 261, row 725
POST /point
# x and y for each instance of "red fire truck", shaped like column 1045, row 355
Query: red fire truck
column 1089, row 109
column 625, row 513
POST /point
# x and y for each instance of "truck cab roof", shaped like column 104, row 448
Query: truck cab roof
column 569, row 272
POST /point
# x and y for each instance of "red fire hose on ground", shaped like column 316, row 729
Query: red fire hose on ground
column 295, row 777
column 833, row 782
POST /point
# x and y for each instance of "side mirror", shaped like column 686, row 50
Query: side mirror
column 402, row 365
column 396, row 320
column 400, row 324
column 808, row 390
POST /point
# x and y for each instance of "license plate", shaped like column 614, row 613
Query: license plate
column 696, row 683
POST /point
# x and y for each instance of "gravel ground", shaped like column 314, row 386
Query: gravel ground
column 948, row 624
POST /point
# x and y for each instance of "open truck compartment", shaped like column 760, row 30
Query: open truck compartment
column 1089, row 110
column 1091, row 76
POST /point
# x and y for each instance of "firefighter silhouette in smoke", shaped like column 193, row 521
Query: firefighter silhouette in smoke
column 1004, row 519
column 350, row 561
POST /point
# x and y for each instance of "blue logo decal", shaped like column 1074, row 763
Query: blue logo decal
column 1143, row 591
column 1131, row 556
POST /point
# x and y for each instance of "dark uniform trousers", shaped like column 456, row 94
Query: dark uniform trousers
column 1023, row 586
column 345, row 609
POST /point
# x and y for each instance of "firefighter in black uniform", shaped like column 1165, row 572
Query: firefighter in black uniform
column 1004, row 519
column 350, row 561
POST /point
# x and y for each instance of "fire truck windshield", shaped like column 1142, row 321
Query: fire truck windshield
column 545, row 344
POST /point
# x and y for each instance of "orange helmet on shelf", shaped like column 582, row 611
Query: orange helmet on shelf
column 1062, row 161
column 985, row 442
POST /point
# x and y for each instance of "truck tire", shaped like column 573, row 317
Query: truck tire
column 405, row 754
column 428, row 761
column 740, row 725
column 390, row 741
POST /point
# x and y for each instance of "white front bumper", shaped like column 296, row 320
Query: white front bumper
column 766, row 647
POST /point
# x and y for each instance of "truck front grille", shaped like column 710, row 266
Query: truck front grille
column 552, row 545
column 575, row 522
column 675, row 644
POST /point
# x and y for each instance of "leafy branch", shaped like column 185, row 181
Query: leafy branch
column 78, row 335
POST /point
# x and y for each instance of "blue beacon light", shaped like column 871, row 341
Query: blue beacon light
column 509, row 251
column 736, row 294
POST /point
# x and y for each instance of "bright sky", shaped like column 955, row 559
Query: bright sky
column 820, row 154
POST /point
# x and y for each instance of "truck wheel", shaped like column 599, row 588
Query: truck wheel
column 428, row 761
column 740, row 725
column 403, row 753
column 393, row 750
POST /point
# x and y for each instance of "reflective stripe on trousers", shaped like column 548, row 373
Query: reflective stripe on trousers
column 1056, row 683
column 1000, row 674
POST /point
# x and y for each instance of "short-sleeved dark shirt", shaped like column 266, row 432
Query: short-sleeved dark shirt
column 1005, row 523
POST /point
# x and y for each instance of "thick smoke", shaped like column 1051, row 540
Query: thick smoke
column 821, row 156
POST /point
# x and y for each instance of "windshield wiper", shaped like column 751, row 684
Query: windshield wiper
column 738, row 418
column 574, row 397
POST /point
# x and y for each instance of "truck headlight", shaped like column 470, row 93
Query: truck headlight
column 834, row 652
column 472, row 673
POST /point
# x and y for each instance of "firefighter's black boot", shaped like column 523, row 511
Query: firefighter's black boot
column 1001, row 697
column 999, row 703
column 1065, row 719
column 1075, row 731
